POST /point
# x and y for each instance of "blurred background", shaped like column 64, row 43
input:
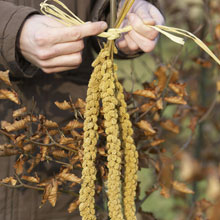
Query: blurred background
column 192, row 148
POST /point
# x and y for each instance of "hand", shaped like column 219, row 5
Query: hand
column 53, row 47
column 141, row 38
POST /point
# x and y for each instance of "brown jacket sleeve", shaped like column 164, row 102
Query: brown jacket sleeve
column 12, row 18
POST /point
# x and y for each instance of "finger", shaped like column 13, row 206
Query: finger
column 60, row 49
column 143, row 43
column 157, row 16
column 131, row 43
column 71, row 60
column 58, row 69
column 51, row 36
column 141, row 28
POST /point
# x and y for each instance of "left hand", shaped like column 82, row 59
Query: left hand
column 141, row 38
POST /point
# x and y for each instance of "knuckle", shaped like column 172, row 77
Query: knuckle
column 40, row 39
column 78, row 59
column 81, row 45
column 42, row 55
column 76, row 34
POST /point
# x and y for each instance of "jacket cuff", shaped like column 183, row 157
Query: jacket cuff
column 13, row 60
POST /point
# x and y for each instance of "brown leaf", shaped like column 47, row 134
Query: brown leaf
column 73, row 206
column 59, row 153
column 157, row 142
column 170, row 126
column 63, row 105
column 146, row 126
column 17, row 125
column 165, row 175
column 50, row 124
column 175, row 100
column 5, row 150
column 162, row 78
column 19, row 165
column 4, row 76
column 31, row 179
column 159, row 103
column 9, row 179
column 19, row 112
column 66, row 176
column 11, row 95
column 50, row 192
column 81, row 105
column 72, row 125
column 181, row 187
column 147, row 106
column 148, row 93
column 217, row 32
column 179, row 89
column 66, row 140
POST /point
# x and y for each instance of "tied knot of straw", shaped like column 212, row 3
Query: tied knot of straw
column 115, row 33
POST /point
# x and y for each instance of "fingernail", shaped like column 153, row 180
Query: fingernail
column 103, row 25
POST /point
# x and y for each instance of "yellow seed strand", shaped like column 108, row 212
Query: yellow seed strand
column 130, row 155
column 109, row 102
column 87, row 191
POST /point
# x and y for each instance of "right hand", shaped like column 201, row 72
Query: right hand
column 52, row 46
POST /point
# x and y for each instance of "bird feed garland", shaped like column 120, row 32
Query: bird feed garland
column 104, row 88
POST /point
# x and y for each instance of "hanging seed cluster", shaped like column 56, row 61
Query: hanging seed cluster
column 104, row 89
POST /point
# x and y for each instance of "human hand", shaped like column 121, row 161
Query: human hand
column 141, row 38
column 53, row 47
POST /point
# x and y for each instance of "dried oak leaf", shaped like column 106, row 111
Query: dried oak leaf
column 19, row 112
column 217, row 32
column 66, row 176
column 165, row 175
column 63, row 105
column 11, row 95
column 81, row 105
column 31, row 179
column 5, row 150
column 157, row 142
column 148, row 93
column 59, row 153
column 73, row 206
column 162, row 77
column 179, row 89
column 175, row 100
column 19, row 165
column 50, row 124
column 159, row 104
column 4, row 76
column 73, row 125
column 146, row 126
column 18, row 125
column 66, row 140
column 50, row 192
column 170, row 126
column 181, row 187
column 147, row 106
column 9, row 179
